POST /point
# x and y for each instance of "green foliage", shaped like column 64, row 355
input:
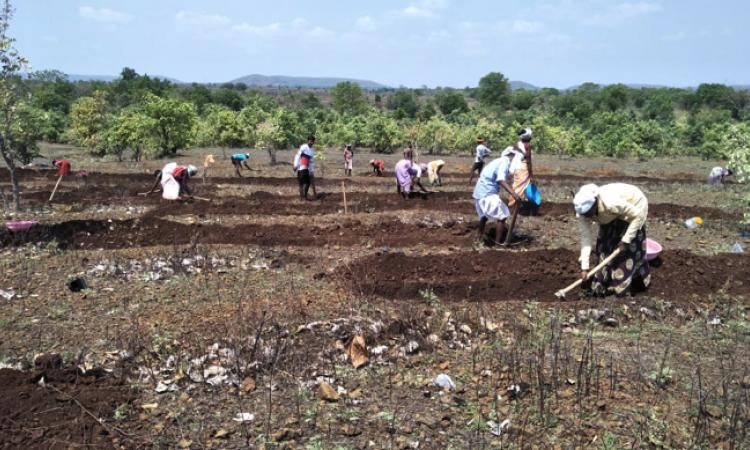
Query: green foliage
column 494, row 91
column 131, row 130
column 27, row 129
column 404, row 104
column 523, row 99
column 175, row 123
column 347, row 98
column 88, row 119
column 382, row 133
column 450, row 101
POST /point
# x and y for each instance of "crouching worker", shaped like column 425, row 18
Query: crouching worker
column 487, row 199
column 174, row 181
column 62, row 166
column 717, row 175
column 238, row 160
column 407, row 175
column 378, row 167
column 620, row 211
column 433, row 172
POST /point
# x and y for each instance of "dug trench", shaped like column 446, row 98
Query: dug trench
column 532, row 275
column 52, row 408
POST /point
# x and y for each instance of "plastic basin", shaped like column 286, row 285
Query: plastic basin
column 20, row 225
column 653, row 249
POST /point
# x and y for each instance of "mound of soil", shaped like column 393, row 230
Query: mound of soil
column 149, row 231
column 532, row 275
column 52, row 416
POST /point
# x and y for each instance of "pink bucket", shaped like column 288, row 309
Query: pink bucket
column 20, row 225
column 653, row 249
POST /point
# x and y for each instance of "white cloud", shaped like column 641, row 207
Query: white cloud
column 526, row 27
column 260, row 30
column 104, row 15
column 417, row 12
column 675, row 37
column 637, row 9
column 201, row 19
column 365, row 23
column 621, row 12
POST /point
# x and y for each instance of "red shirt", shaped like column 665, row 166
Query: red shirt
column 63, row 167
column 379, row 164
column 179, row 170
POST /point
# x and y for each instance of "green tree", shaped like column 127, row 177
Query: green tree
column 494, row 91
column 404, row 104
column 229, row 98
column 132, row 130
column 382, row 133
column 347, row 98
column 88, row 119
column 613, row 97
column 174, row 122
column 523, row 99
column 450, row 101
column 11, row 93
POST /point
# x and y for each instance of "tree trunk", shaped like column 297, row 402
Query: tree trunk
column 272, row 156
column 13, row 180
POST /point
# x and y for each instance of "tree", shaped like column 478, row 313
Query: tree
column 347, row 98
column 382, row 133
column 613, row 97
column 450, row 101
column 174, row 122
column 229, row 98
column 131, row 129
column 404, row 103
column 494, row 91
column 523, row 99
column 11, row 86
column 88, row 120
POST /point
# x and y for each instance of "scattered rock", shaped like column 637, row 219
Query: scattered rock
column 745, row 383
column 465, row 329
column 7, row 294
column 77, row 285
column 285, row 434
column 412, row 347
column 327, row 392
column 715, row 321
column 350, row 430
column 48, row 361
column 248, row 385
column 357, row 351
column 498, row 428
column 244, row 417
column 712, row 411
column 221, row 433
column 611, row 322
column 516, row 391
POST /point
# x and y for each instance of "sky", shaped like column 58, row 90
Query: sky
column 556, row 43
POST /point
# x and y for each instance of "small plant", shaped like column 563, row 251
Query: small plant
column 428, row 295
column 388, row 416
column 121, row 413
column 609, row 442
column 662, row 377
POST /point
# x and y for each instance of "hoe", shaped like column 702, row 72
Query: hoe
column 561, row 293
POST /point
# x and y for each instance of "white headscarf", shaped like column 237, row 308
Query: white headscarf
column 525, row 133
column 585, row 198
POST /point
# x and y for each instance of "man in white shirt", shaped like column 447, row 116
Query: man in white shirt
column 482, row 152
column 304, row 165
column 717, row 175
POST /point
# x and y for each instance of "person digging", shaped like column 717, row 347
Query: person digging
column 173, row 179
column 239, row 160
column 487, row 201
column 620, row 211
column 482, row 151
column 378, row 167
column 407, row 176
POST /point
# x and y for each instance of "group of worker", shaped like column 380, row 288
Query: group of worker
column 611, row 217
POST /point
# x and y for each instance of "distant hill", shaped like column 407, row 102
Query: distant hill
column 303, row 82
column 515, row 85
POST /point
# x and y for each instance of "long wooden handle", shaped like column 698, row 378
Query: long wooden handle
column 509, row 234
column 55, row 189
column 592, row 272
column 343, row 190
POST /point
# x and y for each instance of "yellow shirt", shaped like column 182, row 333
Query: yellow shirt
column 616, row 201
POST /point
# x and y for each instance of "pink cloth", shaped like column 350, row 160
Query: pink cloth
column 404, row 171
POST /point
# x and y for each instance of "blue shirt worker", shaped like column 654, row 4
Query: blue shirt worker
column 240, row 159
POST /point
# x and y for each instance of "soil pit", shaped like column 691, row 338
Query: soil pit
column 52, row 416
column 532, row 275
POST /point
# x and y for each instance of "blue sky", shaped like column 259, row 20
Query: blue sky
column 397, row 42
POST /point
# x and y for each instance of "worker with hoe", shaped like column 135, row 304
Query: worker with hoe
column 482, row 152
column 487, row 201
column 433, row 172
column 620, row 211
column 238, row 160
column 523, row 175
column 174, row 181
column 378, row 167
column 348, row 160
column 304, row 164
column 407, row 175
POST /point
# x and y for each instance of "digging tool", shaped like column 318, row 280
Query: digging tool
column 59, row 179
column 201, row 198
column 561, row 293
column 509, row 234
column 343, row 190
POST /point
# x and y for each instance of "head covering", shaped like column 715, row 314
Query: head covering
column 480, row 140
column 192, row 170
column 348, row 145
column 372, row 161
column 524, row 133
column 585, row 198
column 247, row 155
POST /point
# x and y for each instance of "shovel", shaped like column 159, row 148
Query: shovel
column 561, row 293
column 509, row 234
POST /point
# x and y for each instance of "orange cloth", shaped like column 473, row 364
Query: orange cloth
column 208, row 160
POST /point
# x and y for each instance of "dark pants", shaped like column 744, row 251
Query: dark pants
column 303, row 178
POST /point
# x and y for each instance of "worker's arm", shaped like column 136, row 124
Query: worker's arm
column 635, row 215
column 510, row 190
column 156, row 183
column 528, row 163
column 419, row 183
column 246, row 165
column 586, row 226
column 184, row 186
